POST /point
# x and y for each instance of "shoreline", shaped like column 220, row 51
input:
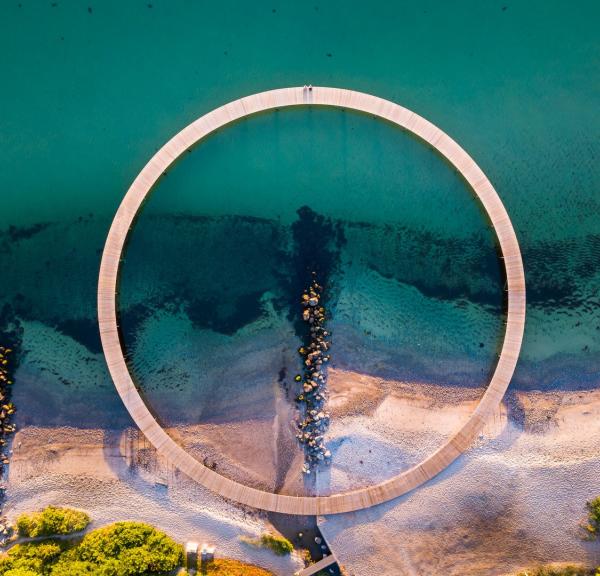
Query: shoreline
column 108, row 471
column 116, row 475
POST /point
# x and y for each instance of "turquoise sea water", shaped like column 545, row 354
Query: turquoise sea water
column 91, row 90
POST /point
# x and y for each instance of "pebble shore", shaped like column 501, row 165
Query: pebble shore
column 7, row 428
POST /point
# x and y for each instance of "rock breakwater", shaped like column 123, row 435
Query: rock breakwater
column 314, row 419
column 7, row 428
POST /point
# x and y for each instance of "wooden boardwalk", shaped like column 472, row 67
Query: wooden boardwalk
column 325, row 562
column 111, row 261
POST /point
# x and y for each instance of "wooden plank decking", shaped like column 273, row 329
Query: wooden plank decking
column 111, row 260
column 318, row 566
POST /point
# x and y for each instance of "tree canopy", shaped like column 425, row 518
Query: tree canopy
column 52, row 522
column 121, row 549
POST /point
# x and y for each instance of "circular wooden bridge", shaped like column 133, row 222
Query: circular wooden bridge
column 111, row 261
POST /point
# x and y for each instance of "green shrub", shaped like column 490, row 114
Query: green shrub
column 21, row 572
column 28, row 558
column 46, row 552
column 278, row 544
column 558, row 571
column 594, row 516
column 121, row 549
column 75, row 568
column 127, row 548
column 229, row 567
column 52, row 521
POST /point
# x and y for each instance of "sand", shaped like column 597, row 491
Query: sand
column 381, row 427
column 115, row 475
column 517, row 498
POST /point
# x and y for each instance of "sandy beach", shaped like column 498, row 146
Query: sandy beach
column 516, row 499
column 116, row 475
column 380, row 427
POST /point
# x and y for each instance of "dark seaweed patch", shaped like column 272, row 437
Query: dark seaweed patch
column 317, row 242
column 15, row 234
column 225, row 317
column 11, row 332
column 130, row 321
column 84, row 330
column 429, row 262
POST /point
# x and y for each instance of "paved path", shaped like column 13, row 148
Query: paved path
column 111, row 261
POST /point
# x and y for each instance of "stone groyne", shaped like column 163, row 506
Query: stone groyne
column 314, row 419
column 7, row 428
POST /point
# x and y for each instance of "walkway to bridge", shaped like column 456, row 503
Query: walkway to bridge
column 325, row 562
column 277, row 99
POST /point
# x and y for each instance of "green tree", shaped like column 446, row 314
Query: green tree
column 121, row 549
column 129, row 548
column 73, row 568
column 32, row 557
column 21, row 572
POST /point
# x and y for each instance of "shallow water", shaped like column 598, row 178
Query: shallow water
column 416, row 290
